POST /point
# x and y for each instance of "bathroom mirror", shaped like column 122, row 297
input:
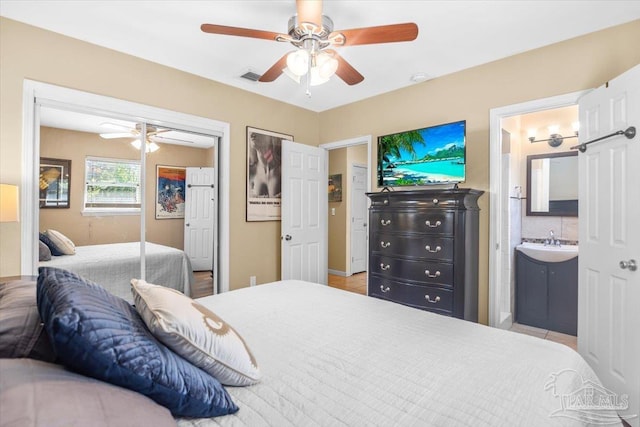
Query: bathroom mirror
column 552, row 184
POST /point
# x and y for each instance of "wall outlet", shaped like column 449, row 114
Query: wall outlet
column 252, row 280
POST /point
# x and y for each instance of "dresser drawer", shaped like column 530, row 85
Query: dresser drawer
column 412, row 270
column 430, row 298
column 413, row 246
column 432, row 222
column 410, row 199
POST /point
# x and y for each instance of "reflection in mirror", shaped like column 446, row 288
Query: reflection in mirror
column 552, row 184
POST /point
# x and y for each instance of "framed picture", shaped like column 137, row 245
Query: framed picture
column 335, row 188
column 170, row 191
column 55, row 183
column 264, row 149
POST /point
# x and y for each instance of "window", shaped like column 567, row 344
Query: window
column 112, row 185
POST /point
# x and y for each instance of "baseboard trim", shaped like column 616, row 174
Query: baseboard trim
column 338, row 273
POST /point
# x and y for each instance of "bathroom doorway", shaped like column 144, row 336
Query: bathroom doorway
column 511, row 128
column 540, row 178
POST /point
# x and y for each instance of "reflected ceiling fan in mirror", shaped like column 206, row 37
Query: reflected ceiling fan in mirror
column 154, row 135
column 312, row 34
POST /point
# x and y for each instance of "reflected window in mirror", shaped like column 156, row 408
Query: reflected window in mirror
column 552, row 184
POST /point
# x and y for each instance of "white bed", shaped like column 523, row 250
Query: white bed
column 334, row 358
column 114, row 265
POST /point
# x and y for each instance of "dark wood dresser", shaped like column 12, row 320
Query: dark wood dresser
column 423, row 249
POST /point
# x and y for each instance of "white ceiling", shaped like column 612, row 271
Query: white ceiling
column 453, row 35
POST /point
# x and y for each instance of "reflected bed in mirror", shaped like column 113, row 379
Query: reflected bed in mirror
column 552, row 184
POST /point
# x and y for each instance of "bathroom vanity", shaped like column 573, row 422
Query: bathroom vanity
column 547, row 287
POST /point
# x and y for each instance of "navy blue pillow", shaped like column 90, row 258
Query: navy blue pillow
column 55, row 251
column 102, row 336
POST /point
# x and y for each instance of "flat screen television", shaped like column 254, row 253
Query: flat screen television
column 429, row 156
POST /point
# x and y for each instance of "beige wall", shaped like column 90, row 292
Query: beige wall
column 27, row 52
column 337, row 223
column 94, row 230
column 30, row 53
column 578, row 64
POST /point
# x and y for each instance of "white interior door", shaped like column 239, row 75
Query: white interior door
column 609, row 287
column 358, row 233
column 200, row 218
column 304, row 207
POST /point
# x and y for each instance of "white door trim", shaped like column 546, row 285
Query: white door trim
column 59, row 97
column 344, row 143
column 497, row 317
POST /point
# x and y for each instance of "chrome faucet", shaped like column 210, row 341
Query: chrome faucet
column 552, row 240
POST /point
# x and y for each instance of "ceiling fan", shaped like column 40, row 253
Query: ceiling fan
column 312, row 34
column 153, row 135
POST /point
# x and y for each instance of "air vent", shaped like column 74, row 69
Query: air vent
column 250, row 75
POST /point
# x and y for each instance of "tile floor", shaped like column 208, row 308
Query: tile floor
column 568, row 340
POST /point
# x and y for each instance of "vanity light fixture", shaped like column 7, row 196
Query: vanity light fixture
column 555, row 139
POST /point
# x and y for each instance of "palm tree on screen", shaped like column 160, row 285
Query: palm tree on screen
column 390, row 146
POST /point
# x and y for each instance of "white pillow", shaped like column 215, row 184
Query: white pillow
column 62, row 242
column 195, row 333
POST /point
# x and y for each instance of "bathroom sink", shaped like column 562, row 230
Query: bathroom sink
column 548, row 253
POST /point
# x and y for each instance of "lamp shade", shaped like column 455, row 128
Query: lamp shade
column 8, row 203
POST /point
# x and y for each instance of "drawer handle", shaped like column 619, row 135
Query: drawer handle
column 437, row 224
column 428, row 273
column 385, row 222
column 385, row 244
column 437, row 249
column 432, row 301
column 385, row 201
column 384, row 267
column 383, row 289
column 436, row 201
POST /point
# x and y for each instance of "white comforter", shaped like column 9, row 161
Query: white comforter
column 334, row 358
column 114, row 265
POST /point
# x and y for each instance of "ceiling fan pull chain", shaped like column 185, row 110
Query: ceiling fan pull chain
column 309, row 63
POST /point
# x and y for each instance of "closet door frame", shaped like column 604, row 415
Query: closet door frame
column 36, row 94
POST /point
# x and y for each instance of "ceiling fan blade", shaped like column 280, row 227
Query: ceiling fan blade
column 371, row 35
column 310, row 11
column 117, row 135
column 274, row 72
column 243, row 32
column 160, row 138
column 345, row 71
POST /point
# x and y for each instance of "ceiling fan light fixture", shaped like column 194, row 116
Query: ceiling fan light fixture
column 326, row 65
column 151, row 146
column 298, row 62
column 317, row 78
column 290, row 74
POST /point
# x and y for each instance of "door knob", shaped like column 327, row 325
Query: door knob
column 287, row 237
column 631, row 265
column 187, row 224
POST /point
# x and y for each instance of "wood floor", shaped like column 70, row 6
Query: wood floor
column 356, row 283
column 568, row 340
column 203, row 284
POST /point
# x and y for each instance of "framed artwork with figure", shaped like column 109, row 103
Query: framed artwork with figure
column 264, row 166
column 170, row 191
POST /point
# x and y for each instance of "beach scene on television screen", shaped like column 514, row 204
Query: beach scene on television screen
column 433, row 155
